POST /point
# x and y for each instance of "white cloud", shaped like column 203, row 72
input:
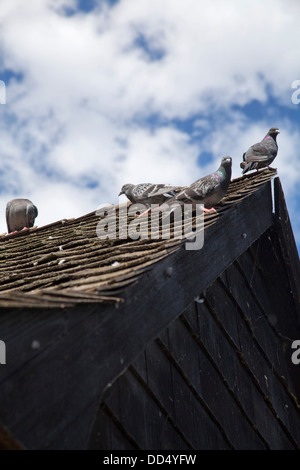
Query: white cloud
column 83, row 110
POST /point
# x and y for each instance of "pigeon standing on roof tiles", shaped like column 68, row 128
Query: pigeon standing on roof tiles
column 261, row 154
column 208, row 190
column 20, row 214
column 148, row 193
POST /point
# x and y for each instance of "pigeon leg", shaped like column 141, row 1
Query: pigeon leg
column 144, row 213
column 209, row 210
column 15, row 231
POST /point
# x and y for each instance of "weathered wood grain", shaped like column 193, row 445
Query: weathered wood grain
column 74, row 375
column 71, row 369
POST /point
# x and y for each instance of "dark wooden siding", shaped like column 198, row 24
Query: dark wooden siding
column 220, row 376
column 164, row 371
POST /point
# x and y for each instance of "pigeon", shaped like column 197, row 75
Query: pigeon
column 148, row 193
column 208, row 190
column 20, row 214
column 262, row 154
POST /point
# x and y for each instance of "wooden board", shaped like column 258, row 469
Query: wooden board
column 55, row 390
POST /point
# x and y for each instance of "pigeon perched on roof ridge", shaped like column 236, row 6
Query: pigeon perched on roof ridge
column 261, row 154
column 149, row 193
column 208, row 190
column 20, row 214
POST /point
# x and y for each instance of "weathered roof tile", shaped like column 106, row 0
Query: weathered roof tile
column 65, row 262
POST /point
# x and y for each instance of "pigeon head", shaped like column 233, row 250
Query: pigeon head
column 226, row 162
column 225, row 168
column 125, row 189
column 273, row 132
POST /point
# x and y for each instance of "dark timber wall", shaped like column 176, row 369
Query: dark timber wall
column 194, row 354
column 220, row 376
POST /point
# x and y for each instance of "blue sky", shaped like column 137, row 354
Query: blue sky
column 102, row 93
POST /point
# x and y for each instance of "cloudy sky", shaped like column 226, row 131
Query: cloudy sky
column 102, row 93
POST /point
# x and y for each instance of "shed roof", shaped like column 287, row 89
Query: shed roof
column 65, row 263
column 138, row 310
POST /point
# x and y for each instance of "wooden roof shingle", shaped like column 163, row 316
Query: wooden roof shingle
column 65, row 263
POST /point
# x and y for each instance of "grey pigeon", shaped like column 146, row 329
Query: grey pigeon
column 148, row 193
column 262, row 154
column 20, row 214
column 208, row 190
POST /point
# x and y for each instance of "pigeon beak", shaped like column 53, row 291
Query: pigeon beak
column 120, row 193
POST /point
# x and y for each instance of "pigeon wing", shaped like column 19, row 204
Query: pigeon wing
column 161, row 190
column 31, row 214
column 140, row 190
column 258, row 158
column 198, row 191
column 206, row 186
column 15, row 215
column 261, row 151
